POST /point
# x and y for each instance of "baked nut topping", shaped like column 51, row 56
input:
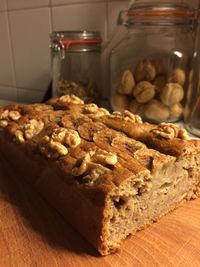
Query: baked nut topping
column 7, row 116
column 57, row 144
column 90, row 108
column 4, row 115
column 14, row 115
column 94, row 110
column 33, row 128
column 3, row 123
column 105, row 158
column 127, row 116
column 170, row 131
column 71, row 99
column 58, row 134
column 19, row 136
column 102, row 112
column 72, row 138
column 66, row 137
column 94, row 164
column 58, row 147
column 28, row 130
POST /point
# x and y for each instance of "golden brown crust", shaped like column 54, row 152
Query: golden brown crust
column 91, row 154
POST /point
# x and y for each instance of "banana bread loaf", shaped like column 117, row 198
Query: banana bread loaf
column 109, row 175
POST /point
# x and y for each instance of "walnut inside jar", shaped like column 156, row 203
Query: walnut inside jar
column 145, row 71
column 175, row 111
column 177, row 75
column 120, row 102
column 144, row 91
column 86, row 90
column 127, row 83
column 136, row 108
column 156, row 111
column 171, row 94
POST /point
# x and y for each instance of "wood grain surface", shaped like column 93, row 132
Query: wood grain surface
column 33, row 234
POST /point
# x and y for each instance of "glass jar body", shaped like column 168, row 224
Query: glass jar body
column 149, row 70
column 76, row 69
column 192, row 109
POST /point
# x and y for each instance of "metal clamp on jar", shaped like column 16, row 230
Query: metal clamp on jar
column 76, row 64
column 149, row 66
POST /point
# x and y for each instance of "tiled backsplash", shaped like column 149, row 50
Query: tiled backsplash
column 25, row 26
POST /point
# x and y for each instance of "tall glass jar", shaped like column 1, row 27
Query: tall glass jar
column 149, row 66
column 76, row 64
column 192, row 109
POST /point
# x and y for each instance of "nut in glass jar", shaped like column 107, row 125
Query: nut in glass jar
column 149, row 67
column 76, row 64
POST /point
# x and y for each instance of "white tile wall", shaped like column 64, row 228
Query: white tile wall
column 24, row 47
column 3, row 5
column 6, row 68
column 8, row 93
column 62, row 2
column 114, row 7
column 80, row 17
column 20, row 4
column 30, row 96
column 30, row 31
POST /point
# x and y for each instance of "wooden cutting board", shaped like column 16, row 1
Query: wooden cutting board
column 33, row 234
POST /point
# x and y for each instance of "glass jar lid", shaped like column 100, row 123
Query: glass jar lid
column 164, row 12
column 76, row 41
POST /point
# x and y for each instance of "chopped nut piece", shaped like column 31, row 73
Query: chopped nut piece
column 105, row 158
column 77, row 171
column 3, row 123
column 182, row 134
column 58, row 147
column 19, row 136
column 32, row 128
column 14, row 115
column 102, row 112
column 94, row 160
column 58, row 134
column 72, row 138
column 169, row 131
column 127, row 83
column 93, row 176
column 130, row 116
column 127, row 115
column 4, row 115
column 90, row 108
column 45, row 139
column 55, row 145
column 71, row 99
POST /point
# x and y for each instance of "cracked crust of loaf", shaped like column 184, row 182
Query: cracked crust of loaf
column 120, row 177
